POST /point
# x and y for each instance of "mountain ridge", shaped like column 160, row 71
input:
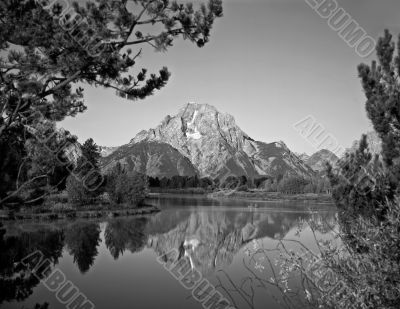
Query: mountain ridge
column 217, row 147
column 319, row 159
column 152, row 158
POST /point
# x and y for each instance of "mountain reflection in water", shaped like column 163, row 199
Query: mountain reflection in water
column 114, row 262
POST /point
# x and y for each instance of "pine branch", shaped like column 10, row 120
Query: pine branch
column 151, row 21
column 137, row 19
column 21, row 187
column 61, row 85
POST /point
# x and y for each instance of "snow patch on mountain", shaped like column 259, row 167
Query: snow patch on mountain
column 191, row 123
column 193, row 130
column 195, row 135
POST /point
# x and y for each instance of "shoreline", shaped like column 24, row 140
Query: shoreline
column 323, row 199
column 110, row 212
column 80, row 214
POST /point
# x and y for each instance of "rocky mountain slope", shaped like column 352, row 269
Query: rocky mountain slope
column 319, row 159
column 152, row 158
column 106, row 151
column 303, row 156
column 275, row 159
column 216, row 146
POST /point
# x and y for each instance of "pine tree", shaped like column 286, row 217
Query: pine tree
column 382, row 89
column 364, row 184
column 366, row 189
column 91, row 152
column 47, row 51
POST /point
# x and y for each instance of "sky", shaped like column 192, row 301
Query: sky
column 270, row 64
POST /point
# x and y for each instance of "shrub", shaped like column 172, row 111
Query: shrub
column 230, row 183
column 62, row 208
column 243, row 188
column 61, row 197
column 292, row 184
column 78, row 194
column 348, row 276
column 104, row 198
column 197, row 190
column 126, row 188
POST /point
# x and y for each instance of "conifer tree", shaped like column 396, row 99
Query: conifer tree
column 364, row 184
column 91, row 152
column 49, row 48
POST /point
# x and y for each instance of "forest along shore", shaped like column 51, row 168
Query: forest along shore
column 273, row 196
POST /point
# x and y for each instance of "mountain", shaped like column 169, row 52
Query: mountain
column 106, row 151
column 319, row 159
column 275, row 159
column 211, row 140
column 217, row 147
column 303, row 156
column 151, row 158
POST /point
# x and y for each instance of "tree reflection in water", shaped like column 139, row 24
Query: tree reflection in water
column 216, row 241
column 270, row 267
column 82, row 239
column 125, row 234
column 16, row 281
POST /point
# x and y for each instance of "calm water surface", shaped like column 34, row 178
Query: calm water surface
column 115, row 262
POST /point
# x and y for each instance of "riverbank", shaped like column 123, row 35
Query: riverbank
column 182, row 191
column 273, row 197
column 70, row 213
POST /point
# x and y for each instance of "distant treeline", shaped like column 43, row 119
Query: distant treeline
column 288, row 184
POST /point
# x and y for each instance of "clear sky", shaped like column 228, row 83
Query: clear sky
column 270, row 63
